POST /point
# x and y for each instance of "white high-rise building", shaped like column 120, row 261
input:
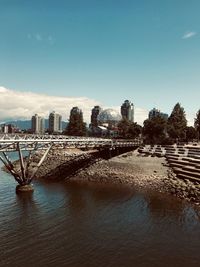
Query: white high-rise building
column 127, row 110
column 55, row 122
column 37, row 124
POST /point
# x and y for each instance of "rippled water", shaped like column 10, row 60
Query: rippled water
column 89, row 225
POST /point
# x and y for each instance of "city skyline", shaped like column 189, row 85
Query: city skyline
column 99, row 53
column 41, row 104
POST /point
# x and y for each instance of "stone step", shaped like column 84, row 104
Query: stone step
column 188, row 177
column 175, row 165
column 174, row 156
column 180, row 165
column 197, row 161
column 179, row 161
column 171, row 154
column 190, row 168
column 180, row 171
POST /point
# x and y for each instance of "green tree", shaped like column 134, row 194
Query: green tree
column 177, row 123
column 190, row 133
column 123, row 127
column 197, row 123
column 128, row 129
column 76, row 126
column 154, row 130
column 134, row 130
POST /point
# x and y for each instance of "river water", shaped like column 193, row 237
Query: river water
column 68, row 224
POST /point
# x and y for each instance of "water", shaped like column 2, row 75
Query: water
column 88, row 225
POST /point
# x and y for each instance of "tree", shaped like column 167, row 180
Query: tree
column 76, row 126
column 128, row 129
column 177, row 123
column 197, row 124
column 134, row 130
column 123, row 127
column 190, row 133
column 154, row 130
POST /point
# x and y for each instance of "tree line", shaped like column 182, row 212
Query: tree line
column 158, row 130
column 155, row 130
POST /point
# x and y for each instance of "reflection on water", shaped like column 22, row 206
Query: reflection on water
column 70, row 224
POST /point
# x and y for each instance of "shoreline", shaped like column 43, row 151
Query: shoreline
column 131, row 168
column 143, row 172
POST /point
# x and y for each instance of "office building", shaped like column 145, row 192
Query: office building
column 156, row 112
column 95, row 112
column 127, row 110
column 37, row 124
column 55, row 122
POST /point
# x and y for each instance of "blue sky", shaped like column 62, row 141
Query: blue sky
column 147, row 51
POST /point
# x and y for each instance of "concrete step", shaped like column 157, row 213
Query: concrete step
column 182, row 165
column 190, row 168
column 171, row 154
column 197, row 161
column 188, row 177
column 169, row 158
column 175, row 165
column 179, row 160
column 179, row 171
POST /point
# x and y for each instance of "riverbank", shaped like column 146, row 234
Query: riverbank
column 146, row 172
column 131, row 169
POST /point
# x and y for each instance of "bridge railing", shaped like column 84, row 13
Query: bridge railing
column 29, row 142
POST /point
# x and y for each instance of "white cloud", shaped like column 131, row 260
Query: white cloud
column 38, row 37
column 41, row 38
column 22, row 105
column 189, row 35
column 190, row 118
column 141, row 114
column 50, row 39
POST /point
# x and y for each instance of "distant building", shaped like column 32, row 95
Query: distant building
column 109, row 118
column 12, row 128
column 37, row 124
column 127, row 110
column 55, row 122
column 4, row 128
column 9, row 128
column 95, row 112
column 156, row 112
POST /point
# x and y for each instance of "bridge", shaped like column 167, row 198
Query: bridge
column 32, row 143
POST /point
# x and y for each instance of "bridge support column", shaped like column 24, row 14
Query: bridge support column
column 24, row 188
column 21, row 174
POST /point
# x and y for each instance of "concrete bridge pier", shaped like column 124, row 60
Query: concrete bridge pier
column 22, row 176
column 24, row 188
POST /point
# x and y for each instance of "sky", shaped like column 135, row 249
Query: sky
column 58, row 54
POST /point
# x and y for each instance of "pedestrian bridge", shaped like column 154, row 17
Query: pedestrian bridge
column 32, row 143
column 9, row 142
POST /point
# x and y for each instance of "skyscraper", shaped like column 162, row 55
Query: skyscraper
column 127, row 110
column 95, row 112
column 156, row 112
column 37, row 124
column 55, row 122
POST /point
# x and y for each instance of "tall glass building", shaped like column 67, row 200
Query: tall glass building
column 127, row 110
column 37, row 124
column 95, row 112
column 156, row 112
column 55, row 122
